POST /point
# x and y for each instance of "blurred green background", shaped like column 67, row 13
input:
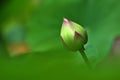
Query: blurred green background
column 49, row 59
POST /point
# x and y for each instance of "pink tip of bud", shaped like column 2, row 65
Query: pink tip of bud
column 66, row 20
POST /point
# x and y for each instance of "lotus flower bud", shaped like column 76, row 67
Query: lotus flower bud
column 73, row 35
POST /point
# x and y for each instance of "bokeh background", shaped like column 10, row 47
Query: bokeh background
column 49, row 59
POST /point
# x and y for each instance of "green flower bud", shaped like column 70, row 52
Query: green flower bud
column 73, row 35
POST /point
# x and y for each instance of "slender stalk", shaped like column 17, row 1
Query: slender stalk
column 85, row 59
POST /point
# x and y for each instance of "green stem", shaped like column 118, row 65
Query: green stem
column 85, row 58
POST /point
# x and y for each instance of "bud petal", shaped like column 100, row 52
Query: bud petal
column 73, row 35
